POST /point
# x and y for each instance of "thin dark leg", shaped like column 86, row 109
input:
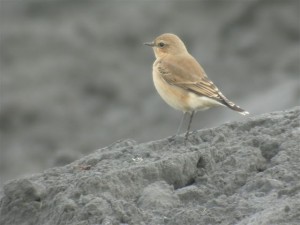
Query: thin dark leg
column 180, row 124
column 188, row 129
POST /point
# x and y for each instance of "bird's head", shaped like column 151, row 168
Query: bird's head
column 167, row 44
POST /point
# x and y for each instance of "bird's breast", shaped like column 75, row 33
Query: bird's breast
column 172, row 95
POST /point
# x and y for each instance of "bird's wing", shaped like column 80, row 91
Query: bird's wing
column 190, row 76
column 186, row 73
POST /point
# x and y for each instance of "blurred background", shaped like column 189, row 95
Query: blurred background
column 76, row 77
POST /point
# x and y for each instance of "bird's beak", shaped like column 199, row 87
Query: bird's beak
column 151, row 44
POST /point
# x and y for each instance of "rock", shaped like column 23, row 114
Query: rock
column 239, row 173
column 158, row 195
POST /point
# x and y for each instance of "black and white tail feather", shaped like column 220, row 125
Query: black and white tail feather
column 232, row 106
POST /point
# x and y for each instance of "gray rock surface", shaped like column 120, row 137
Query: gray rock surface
column 239, row 173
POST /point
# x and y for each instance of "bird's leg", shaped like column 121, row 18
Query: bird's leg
column 173, row 138
column 180, row 124
column 189, row 126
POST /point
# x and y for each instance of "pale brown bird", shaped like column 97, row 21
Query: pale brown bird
column 181, row 81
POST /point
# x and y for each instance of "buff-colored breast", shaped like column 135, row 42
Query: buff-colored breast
column 172, row 95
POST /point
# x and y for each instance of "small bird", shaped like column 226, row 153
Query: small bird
column 181, row 81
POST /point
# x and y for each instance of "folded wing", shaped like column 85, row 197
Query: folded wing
column 189, row 75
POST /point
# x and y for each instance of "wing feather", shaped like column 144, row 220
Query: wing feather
column 186, row 73
column 190, row 77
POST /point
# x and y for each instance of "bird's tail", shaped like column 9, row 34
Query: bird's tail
column 233, row 106
column 237, row 108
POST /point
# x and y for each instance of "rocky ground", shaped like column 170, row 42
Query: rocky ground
column 239, row 173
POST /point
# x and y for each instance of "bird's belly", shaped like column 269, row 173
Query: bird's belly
column 200, row 103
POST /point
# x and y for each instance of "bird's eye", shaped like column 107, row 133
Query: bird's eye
column 161, row 44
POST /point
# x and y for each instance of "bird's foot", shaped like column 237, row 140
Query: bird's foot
column 186, row 138
column 177, row 140
column 172, row 139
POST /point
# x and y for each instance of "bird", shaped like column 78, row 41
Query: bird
column 182, row 82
